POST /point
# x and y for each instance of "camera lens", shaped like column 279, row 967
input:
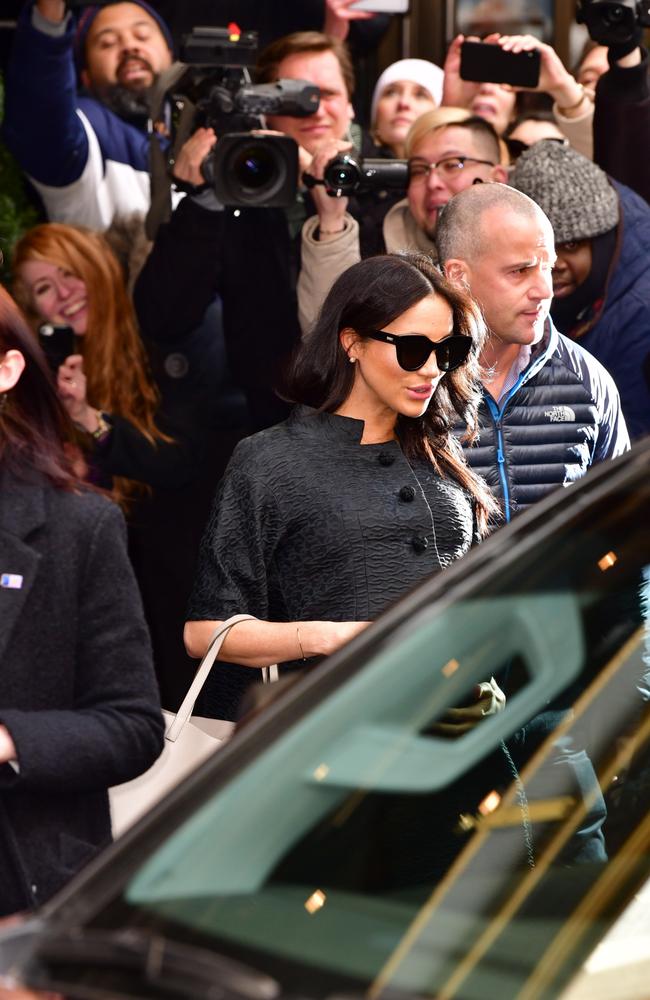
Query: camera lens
column 342, row 174
column 341, row 177
column 613, row 14
column 254, row 168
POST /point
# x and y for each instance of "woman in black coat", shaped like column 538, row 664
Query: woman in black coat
column 140, row 429
column 323, row 521
column 79, row 707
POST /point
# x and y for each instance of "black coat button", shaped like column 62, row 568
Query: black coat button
column 419, row 543
column 385, row 458
column 407, row 494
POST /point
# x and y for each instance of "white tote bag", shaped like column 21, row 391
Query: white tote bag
column 189, row 740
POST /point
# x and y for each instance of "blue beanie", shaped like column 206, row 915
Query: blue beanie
column 89, row 14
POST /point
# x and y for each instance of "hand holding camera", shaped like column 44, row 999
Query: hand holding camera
column 187, row 168
column 331, row 211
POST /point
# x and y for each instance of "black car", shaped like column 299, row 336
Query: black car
column 340, row 846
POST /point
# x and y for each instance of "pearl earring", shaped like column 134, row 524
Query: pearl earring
column 351, row 359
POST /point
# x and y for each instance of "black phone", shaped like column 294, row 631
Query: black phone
column 484, row 62
column 58, row 343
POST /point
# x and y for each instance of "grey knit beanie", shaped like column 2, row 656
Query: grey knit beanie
column 573, row 192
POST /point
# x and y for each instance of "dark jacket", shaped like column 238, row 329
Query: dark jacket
column 86, row 162
column 251, row 257
column 622, row 125
column 77, row 689
column 561, row 417
column 618, row 331
column 311, row 525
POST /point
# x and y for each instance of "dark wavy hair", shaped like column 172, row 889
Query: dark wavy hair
column 34, row 426
column 367, row 297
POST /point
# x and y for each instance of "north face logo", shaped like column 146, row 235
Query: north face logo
column 561, row 415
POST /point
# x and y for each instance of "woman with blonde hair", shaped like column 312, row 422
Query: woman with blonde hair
column 404, row 91
column 141, row 442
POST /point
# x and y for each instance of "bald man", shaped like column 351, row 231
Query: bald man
column 550, row 410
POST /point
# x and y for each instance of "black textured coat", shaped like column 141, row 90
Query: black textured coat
column 311, row 525
column 77, row 689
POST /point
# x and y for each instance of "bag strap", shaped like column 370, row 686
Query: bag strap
column 160, row 208
column 201, row 677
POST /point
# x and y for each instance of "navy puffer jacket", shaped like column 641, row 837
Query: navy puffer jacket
column 562, row 415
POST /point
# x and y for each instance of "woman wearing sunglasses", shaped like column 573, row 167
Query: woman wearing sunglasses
column 323, row 521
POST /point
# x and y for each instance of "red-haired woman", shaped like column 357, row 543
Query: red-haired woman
column 79, row 708
column 69, row 277
column 143, row 444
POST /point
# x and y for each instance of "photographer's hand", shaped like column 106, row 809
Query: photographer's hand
column 338, row 16
column 554, row 78
column 331, row 211
column 187, row 167
column 456, row 92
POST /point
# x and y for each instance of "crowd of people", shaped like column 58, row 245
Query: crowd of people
column 369, row 382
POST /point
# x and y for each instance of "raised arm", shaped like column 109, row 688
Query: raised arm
column 42, row 127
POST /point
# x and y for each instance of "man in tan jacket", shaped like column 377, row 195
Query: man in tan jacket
column 443, row 160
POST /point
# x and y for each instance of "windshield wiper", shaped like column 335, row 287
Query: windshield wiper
column 181, row 970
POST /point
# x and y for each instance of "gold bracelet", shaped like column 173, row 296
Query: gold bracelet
column 302, row 652
column 104, row 427
column 572, row 107
column 330, row 232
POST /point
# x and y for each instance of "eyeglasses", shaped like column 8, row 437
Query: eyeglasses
column 449, row 166
column 414, row 349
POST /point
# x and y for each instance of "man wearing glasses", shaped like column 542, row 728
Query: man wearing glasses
column 443, row 160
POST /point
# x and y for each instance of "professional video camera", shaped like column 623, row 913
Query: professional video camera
column 244, row 168
column 613, row 22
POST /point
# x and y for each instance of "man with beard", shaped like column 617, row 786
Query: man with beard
column 87, row 156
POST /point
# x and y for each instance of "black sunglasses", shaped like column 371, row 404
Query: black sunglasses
column 414, row 349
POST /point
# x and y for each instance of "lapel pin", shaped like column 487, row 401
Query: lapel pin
column 11, row 581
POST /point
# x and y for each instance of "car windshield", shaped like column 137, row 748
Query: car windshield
column 366, row 850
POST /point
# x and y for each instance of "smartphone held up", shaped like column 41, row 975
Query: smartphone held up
column 382, row 6
column 58, row 343
column 485, row 62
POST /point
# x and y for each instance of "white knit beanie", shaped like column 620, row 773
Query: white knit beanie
column 427, row 74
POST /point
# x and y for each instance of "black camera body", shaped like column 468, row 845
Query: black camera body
column 613, row 22
column 244, row 168
column 253, row 170
column 346, row 174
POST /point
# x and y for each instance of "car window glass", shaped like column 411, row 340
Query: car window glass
column 361, row 824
